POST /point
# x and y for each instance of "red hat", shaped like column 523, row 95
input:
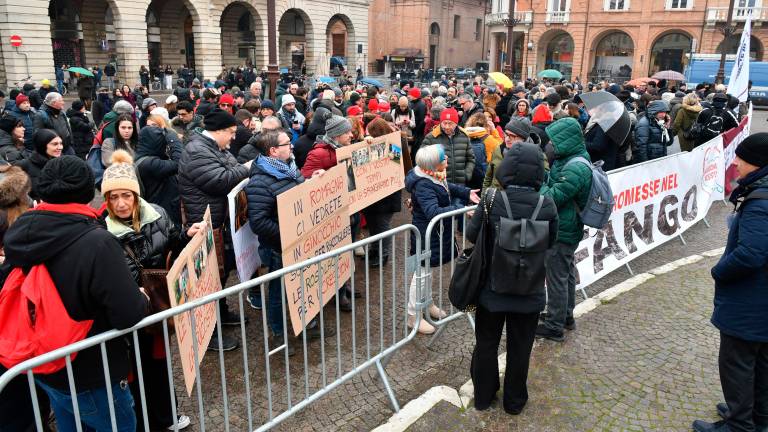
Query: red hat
column 384, row 107
column 354, row 110
column 414, row 93
column 373, row 105
column 21, row 98
column 227, row 98
column 449, row 114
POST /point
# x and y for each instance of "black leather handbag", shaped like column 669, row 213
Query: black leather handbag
column 470, row 273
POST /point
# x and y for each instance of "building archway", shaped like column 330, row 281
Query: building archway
column 756, row 51
column 171, row 37
column 295, row 30
column 434, row 44
column 340, row 41
column 669, row 52
column 556, row 51
column 82, row 34
column 242, row 35
column 614, row 54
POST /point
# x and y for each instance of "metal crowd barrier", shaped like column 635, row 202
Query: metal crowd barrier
column 385, row 332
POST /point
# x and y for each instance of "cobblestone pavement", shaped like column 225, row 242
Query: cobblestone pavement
column 361, row 403
column 646, row 361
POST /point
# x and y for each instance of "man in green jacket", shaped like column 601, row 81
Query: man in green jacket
column 569, row 187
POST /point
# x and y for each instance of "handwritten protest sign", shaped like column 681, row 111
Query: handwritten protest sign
column 314, row 219
column 195, row 274
column 375, row 170
column 245, row 242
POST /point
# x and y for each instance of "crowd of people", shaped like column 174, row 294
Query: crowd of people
column 159, row 164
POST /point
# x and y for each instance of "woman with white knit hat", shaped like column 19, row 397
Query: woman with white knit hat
column 147, row 235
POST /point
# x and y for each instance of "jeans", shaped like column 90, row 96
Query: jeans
column 110, row 82
column 744, row 377
column 274, row 261
column 377, row 224
column 60, row 86
column 484, row 369
column 94, row 408
column 561, row 285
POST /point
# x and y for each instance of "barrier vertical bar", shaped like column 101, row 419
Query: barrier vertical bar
column 285, row 337
column 246, row 375
column 304, row 333
column 338, row 321
column 170, row 376
column 221, row 363
column 381, row 302
column 367, row 308
column 266, row 332
column 198, row 384
column 73, row 392
column 108, row 385
column 35, row 404
column 320, row 285
column 140, row 371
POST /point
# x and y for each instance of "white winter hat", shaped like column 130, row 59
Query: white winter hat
column 171, row 99
column 286, row 100
column 161, row 112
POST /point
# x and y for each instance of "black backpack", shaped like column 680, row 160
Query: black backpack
column 519, row 253
column 704, row 132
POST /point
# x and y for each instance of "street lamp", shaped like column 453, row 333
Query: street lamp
column 510, row 22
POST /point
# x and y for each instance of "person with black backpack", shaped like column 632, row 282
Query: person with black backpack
column 514, row 289
column 713, row 120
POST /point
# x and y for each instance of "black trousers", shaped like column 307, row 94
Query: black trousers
column 744, row 378
column 156, row 387
column 521, row 330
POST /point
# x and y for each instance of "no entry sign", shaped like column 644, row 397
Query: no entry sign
column 16, row 41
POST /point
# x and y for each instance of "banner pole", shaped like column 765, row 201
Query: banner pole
column 682, row 239
column 706, row 222
column 629, row 269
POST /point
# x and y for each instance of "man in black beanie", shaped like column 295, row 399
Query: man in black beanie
column 207, row 173
column 87, row 265
column 741, row 297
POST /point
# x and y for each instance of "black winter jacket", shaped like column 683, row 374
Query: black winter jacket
column 649, row 135
column 419, row 113
column 461, row 157
column 522, row 174
column 601, row 147
column 8, row 150
column 304, row 144
column 82, row 132
column 33, row 166
column 265, row 185
column 242, row 136
column 157, row 163
column 206, row 175
column 87, row 266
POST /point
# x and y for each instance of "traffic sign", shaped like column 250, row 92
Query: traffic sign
column 16, row 41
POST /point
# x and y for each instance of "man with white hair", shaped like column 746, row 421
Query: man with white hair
column 51, row 116
column 254, row 92
column 292, row 120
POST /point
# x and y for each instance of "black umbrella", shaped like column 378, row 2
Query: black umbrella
column 609, row 113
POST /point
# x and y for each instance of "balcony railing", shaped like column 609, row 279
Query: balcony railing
column 523, row 17
column 554, row 17
column 720, row 14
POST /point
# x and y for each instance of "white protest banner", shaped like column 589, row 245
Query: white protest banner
column 654, row 202
column 738, row 81
column 194, row 274
column 245, row 242
column 375, row 170
column 314, row 219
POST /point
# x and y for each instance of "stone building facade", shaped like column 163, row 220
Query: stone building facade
column 203, row 34
column 427, row 33
column 618, row 39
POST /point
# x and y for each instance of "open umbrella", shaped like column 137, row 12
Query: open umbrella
column 641, row 81
column 669, row 75
column 372, row 82
column 81, row 71
column 550, row 73
column 501, row 79
column 609, row 113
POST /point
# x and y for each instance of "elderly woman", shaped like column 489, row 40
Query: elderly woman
column 431, row 196
column 148, row 236
column 511, row 294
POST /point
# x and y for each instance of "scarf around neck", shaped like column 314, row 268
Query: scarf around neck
column 289, row 168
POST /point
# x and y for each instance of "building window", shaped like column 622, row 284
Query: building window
column 559, row 5
column 478, row 29
column 616, row 5
column 456, row 26
column 679, row 4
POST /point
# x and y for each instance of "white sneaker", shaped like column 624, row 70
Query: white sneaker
column 184, row 421
column 424, row 327
column 359, row 251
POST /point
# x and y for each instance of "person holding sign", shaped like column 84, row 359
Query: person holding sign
column 272, row 174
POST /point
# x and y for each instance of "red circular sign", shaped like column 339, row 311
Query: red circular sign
column 16, row 41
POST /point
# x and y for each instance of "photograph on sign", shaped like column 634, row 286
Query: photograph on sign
column 244, row 241
column 374, row 169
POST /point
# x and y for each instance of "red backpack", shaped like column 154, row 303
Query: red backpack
column 35, row 321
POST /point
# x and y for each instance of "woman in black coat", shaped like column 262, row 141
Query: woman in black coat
column 48, row 145
column 519, row 297
column 82, row 129
column 157, row 163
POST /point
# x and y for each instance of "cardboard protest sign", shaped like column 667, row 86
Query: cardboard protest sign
column 195, row 274
column 655, row 202
column 375, row 170
column 314, row 219
column 245, row 242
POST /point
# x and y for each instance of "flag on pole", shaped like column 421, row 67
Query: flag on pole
column 739, row 79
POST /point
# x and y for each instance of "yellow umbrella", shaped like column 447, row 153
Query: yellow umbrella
column 501, row 79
